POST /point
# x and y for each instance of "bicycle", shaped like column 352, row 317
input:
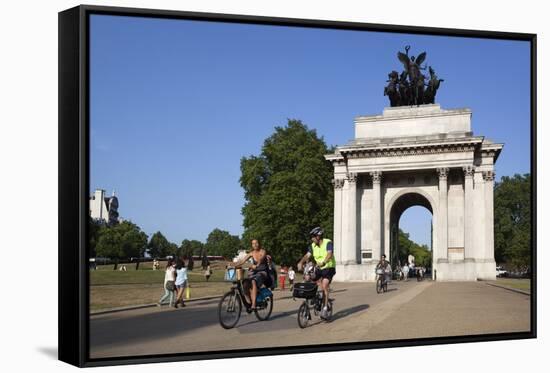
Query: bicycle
column 231, row 304
column 313, row 300
column 381, row 283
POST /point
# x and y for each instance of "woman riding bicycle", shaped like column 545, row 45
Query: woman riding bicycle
column 257, row 272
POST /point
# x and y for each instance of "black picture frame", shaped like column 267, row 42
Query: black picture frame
column 74, row 181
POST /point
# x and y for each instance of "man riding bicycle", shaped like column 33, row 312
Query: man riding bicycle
column 386, row 267
column 322, row 250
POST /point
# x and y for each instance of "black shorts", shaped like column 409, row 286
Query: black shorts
column 261, row 278
column 327, row 273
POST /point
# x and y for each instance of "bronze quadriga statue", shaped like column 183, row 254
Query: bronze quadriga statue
column 409, row 87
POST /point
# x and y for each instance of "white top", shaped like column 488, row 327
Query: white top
column 405, row 269
column 291, row 274
column 169, row 274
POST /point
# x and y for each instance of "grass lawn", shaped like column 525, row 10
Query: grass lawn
column 124, row 288
column 515, row 283
column 106, row 276
column 110, row 296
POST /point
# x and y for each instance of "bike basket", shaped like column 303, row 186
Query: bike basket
column 379, row 271
column 305, row 290
column 230, row 274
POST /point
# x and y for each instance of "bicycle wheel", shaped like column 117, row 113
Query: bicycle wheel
column 379, row 285
column 229, row 310
column 264, row 311
column 303, row 315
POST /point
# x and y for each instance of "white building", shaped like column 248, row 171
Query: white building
column 104, row 208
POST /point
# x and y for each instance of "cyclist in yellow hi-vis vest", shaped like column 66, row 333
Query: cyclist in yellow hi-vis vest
column 322, row 250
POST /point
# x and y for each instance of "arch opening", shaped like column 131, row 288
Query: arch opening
column 400, row 245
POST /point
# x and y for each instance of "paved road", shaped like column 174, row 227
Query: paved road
column 407, row 310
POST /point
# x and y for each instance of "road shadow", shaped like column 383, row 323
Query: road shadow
column 50, row 352
column 273, row 317
column 349, row 311
column 118, row 329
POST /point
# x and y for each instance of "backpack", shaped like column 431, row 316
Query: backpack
column 272, row 272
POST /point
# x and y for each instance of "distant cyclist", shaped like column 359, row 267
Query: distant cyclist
column 322, row 250
column 385, row 266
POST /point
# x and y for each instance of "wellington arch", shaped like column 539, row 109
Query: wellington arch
column 415, row 156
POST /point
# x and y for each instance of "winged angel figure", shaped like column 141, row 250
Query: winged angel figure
column 413, row 68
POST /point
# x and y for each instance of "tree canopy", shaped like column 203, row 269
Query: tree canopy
column 512, row 213
column 288, row 191
column 160, row 247
column 124, row 240
column 422, row 254
column 222, row 243
column 190, row 247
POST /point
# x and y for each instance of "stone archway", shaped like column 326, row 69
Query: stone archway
column 415, row 155
column 397, row 206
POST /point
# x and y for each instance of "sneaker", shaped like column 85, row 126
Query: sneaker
column 324, row 312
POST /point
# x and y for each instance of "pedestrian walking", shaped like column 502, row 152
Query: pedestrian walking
column 207, row 273
column 181, row 282
column 291, row 277
column 405, row 272
column 282, row 277
column 169, row 284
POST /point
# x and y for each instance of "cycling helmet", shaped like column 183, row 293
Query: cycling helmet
column 317, row 231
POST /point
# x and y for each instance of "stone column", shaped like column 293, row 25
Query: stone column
column 469, row 211
column 377, row 215
column 442, row 218
column 489, row 252
column 338, row 184
column 349, row 255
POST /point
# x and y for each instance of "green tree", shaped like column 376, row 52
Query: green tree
column 512, row 214
column 288, row 190
column 190, row 247
column 121, row 241
column 95, row 231
column 222, row 243
column 422, row 254
column 160, row 247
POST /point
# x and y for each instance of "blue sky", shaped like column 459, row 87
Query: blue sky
column 176, row 104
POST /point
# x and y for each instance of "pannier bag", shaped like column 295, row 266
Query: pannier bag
column 263, row 294
column 305, row 290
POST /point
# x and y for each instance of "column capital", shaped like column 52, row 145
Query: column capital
column 338, row 183
column 351, row 177
column 376, row 176
column 443, row 172
column 488, row 175
column 469, row 171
